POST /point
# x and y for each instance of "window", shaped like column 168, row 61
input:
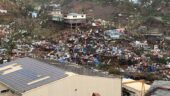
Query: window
column 96, row 94
column 5, row 91
column 74, row 16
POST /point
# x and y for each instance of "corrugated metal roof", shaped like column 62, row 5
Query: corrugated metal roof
column 160, row 84
column 160, row 92
column 32, row 74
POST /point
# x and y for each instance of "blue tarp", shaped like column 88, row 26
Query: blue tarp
column 151, row 69
column 96, row 61
column 62, row 60
column 34, row 14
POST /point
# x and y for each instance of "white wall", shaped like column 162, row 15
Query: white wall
column 78, row 16
column 56, row 13
column 79, row 85
column 3, row 11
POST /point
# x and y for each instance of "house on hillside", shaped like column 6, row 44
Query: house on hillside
column 33, row 14
column 2, row 11
column 54, row 12
column 56, row 15
column 75, row 18
column 30, row 77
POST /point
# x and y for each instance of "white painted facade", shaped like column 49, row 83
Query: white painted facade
column 3, row 11
column 77, row 85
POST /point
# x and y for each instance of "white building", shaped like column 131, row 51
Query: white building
column 30, row 77
column 54, row 12
column 3, row 11
column 73, row 18
column 56, row 15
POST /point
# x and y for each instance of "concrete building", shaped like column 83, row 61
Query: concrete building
column 3, row 11
column 56, row 15
column 30, row 77
column 54, row 12
column 75, row 18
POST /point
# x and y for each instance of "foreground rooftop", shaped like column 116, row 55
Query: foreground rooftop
column 25, row 74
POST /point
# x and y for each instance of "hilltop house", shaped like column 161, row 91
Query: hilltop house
column 75, row 18
column 54, row 12
column 3, row 11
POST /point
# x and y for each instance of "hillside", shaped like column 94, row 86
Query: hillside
column 153, row 14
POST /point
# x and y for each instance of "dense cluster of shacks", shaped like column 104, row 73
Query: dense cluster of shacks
column 94, row 47
column 97, row 46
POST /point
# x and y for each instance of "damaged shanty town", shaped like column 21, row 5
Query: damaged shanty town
column 82, row 46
